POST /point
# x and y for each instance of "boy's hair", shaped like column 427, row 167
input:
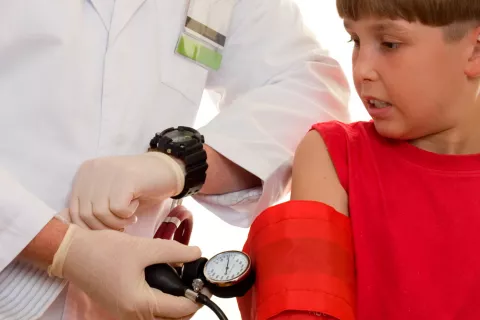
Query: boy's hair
column 456, row 16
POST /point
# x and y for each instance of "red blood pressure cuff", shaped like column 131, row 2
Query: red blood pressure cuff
column 302, row 253
column 301, row 315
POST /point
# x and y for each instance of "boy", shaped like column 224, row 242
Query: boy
column 408, row 180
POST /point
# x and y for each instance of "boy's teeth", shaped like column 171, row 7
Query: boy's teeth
column 379, row 104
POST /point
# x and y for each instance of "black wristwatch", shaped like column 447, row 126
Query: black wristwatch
column 185, row 144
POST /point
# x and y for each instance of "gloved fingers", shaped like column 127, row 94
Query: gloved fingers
column 84, row 215
column 171, row 307
column 80, row 201
column 75, row 213
column 122, row 201
column 74, row 207
column 111, row 221
column 102, row 213
column 169, row 251
column 87, row 216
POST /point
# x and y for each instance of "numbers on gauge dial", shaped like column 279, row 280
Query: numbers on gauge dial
column 226, row 266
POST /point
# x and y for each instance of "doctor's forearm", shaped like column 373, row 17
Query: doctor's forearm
column 41, row 250
column 224, row 176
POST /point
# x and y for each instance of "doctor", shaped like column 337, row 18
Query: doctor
column 96, row 79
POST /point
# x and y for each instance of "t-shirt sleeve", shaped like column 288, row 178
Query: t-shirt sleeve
column 335, row 136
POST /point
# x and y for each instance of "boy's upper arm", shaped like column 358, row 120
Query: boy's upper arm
column 314, row 176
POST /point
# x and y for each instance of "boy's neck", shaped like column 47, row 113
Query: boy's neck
column 458, row 140
column 463, row 138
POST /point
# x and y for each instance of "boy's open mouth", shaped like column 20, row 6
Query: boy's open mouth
column 374, row 103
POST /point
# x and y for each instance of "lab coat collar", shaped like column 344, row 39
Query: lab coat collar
column 122, row 13
column 103, row 9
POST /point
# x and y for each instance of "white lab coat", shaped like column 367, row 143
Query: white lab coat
column 81, row 79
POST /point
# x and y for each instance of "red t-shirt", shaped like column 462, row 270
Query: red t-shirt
column 416, row 225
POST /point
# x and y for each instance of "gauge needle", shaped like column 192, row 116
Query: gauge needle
column 228, row 262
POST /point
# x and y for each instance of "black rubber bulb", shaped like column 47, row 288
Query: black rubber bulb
column 164, row 278
column 194, row 270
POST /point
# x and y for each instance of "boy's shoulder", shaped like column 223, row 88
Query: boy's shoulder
column 339, row 141
column 349, row 131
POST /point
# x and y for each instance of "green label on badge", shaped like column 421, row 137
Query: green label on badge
column 199, row 52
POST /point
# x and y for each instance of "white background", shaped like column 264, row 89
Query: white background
column 210, row 233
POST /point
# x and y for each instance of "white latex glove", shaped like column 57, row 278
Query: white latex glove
column 107, row 191
column 109, row 267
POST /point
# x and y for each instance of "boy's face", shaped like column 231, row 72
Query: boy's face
column 410, row 79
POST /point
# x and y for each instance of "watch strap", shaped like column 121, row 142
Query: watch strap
column 190, row 152
column 196, row 170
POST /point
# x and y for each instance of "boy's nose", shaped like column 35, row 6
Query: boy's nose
column 364, row 67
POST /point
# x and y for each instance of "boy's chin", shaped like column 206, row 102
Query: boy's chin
column 392, row 129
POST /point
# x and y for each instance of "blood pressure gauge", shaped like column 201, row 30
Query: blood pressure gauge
column 227, row 268
column 228, row 274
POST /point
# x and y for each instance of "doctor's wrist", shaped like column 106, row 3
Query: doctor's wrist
column 180, row 177
column 41, row 250
column 175, row 171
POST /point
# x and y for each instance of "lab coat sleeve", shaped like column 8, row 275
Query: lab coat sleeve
column 25, row 291
column 275, row 82
column 22, row 216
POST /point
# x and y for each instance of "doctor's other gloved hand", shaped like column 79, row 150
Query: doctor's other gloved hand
column 107, row 191
column 109, row 267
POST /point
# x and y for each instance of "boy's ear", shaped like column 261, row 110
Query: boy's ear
column 473, row 67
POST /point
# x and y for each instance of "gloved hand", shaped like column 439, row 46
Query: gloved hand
column 107, row 191
column 109, row 267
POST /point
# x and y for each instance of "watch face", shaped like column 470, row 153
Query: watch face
column 181, row 139
column 227, row 267
column 180, row 136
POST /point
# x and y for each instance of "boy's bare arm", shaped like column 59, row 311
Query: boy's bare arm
column 315, row 181
column 314, row 176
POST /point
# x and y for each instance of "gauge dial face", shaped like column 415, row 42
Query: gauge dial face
column 227, row 266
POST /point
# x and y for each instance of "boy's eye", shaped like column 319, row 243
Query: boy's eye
column 390, row 45
column 355, row 41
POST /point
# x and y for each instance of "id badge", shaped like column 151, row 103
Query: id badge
column 205, row 31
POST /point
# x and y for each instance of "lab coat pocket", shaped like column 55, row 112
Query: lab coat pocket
column 184, row 76
column 177, row 72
